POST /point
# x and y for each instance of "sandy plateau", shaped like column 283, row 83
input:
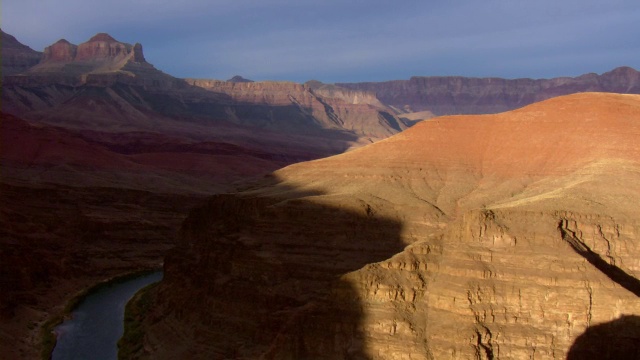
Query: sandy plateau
column 504, row 236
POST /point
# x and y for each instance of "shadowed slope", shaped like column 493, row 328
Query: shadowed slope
column 265, row 277
column 614, row 340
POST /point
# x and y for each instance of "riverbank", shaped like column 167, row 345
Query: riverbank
column 58, row 240
column 136, row 310
column 48, row 334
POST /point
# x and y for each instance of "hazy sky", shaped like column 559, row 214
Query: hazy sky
column 348, row 40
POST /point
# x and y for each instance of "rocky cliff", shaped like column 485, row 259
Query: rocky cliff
column 16, row 57
column 445, row 95
column 467, row 237
column 102, row 53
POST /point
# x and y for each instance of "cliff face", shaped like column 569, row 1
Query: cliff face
column 489, row 237
column 449, row 95
column 16, row 57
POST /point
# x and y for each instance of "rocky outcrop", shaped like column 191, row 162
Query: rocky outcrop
column 16, row 57
column 101, row 61
column 485, row 237
column 62, row 50
column 446, row 95
column 103, row 46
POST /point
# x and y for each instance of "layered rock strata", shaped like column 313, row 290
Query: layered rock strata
column 490, row 237
column 330, row 107
column 448, row 95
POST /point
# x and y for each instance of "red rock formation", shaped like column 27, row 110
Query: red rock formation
column 101, row 54
column 487, row 237
column 103, row 46
column 62, row 50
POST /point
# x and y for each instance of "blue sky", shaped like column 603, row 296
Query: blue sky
column 350, row 40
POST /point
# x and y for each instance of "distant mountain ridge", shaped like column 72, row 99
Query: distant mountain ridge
column 448, row 95
column 128, row 92
column 104, row 61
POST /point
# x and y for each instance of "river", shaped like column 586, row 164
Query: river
column 97, row 323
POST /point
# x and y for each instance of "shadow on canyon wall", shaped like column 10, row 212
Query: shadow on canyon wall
column 618, row 339
column 259, row 276
column 614, row 273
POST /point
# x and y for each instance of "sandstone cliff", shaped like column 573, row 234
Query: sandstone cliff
column 489, row 237
column 447, row 95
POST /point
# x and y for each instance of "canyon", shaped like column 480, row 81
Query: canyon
column 103, row 157
column 500, row 236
